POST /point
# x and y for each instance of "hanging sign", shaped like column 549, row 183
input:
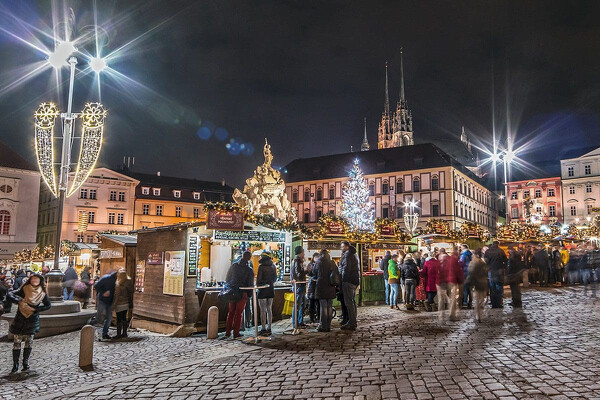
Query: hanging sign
column 174, row 273
column 192, row 267
column 140, row 273
column 387, row 230
column 111, row 253
column 250, row 236
column 155, row 258
column 230, row 220
column 335, row 228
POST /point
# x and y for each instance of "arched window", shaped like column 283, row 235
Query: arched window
column 295, row 196
column 4, row 222
column 399, row 186
column 319, row 193
column 435, row 182
column 306, row 194
column 416, row 185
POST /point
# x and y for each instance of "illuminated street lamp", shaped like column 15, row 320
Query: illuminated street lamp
column 411, row 218
column 92, row 118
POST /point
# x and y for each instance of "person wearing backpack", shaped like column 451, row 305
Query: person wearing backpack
column 327, row 278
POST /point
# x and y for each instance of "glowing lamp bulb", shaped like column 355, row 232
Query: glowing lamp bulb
column 61, row 53
column 509, row 156
column 98, row 64
column 495, row 157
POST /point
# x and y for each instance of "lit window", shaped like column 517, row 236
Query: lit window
column 145, row 190
column 177, row 193
column 570, row 171
column 551, row 192
column 83, row 193
column 588, row 169
column 159, row 209
column 120, row 219
column 571, row 189
column 4, row 222
column 93, row 194
column 573, row 210
column 196, row 196
column 146, row 209
column 588, row 188
column 113, row 195
column 121, row 196
column 178, row 211
column 111, row 218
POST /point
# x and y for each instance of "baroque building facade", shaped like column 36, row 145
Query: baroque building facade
column 535, row 200
column 581, row 187
column 423, row 173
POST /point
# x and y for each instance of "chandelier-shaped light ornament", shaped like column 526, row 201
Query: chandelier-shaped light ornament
column 45, row 119
column 92, row 118
column 411, row 221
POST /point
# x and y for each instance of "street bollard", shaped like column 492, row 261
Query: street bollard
column 86, row 346
column 212, row 324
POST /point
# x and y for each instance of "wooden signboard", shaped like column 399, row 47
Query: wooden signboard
column 140, row 272
column 155, row 258
column 387, row 231
column 229, row 220
column 335, row 229
column 192, row 265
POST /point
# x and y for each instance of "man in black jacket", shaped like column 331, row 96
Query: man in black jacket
column 383, row 265
column 541, row 261
column 240, row 274
column 350, row 277
column 298, row 274
column 496, row 260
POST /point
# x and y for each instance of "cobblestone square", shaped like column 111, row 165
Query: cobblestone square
column 547, row 350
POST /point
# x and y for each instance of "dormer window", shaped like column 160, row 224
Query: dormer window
column 196, row 196
column 146, row 190
column 156, row 192
column 177, row 193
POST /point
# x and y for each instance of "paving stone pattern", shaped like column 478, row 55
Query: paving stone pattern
column 547, row 350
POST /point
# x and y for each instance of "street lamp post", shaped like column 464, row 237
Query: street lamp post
column 92, row 117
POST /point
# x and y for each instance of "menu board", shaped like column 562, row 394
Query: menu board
column 192, row 266
column 174, row 273
column 231, row 220
column 251, row 236
column 140, row 272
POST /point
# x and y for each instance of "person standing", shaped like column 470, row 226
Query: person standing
column 383, row 265
column 266, row 275
column 421, row 292
column 327, row 276
column 123, row 302
column 496, row 261
column 240, row 274
column 105, row 287
column 429, row 273
column 455, row 281
column 393, row 280
column 32, row 299
column 478, row 280
column 410, row 275
column 298, row 274
column 464, row 260
column 350, row 277
column 313, row 303
column 514, row 268
column 564, row 256
column 557, row 266
column 86, row 278
column 68, row 281
column 541, row 261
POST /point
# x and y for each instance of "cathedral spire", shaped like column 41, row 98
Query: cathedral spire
column 365, row 144
column 401, row 77
column 387, row 95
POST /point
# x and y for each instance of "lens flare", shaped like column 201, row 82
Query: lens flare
column 98, row 64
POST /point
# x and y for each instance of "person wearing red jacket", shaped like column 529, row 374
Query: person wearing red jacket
column 429, row 273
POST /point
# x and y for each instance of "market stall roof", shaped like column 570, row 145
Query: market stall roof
column 86, row 246
column 125, row 240
column 186, row 225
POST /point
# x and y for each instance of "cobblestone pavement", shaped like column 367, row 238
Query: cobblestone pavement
column 547, row 350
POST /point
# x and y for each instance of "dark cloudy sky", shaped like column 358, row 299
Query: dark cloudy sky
column 305, row 73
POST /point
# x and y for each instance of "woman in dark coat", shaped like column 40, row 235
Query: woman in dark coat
column 324, row 289
column 266, row 275
column 32, row 299
column 313, row 303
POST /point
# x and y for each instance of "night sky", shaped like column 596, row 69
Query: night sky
column 304, row 74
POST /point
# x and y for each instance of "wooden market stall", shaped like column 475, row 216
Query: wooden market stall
column 116, row 252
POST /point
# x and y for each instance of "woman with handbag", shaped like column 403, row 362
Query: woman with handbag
column 32, row 299
column 123, row 301
column 267, row 275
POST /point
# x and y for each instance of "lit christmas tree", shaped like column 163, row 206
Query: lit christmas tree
column 357, row 209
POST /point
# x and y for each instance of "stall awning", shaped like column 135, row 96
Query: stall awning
column 124, row 240
column 86, row 246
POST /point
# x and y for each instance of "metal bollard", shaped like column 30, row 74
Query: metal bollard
column 86, row 346
column 212, row 324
